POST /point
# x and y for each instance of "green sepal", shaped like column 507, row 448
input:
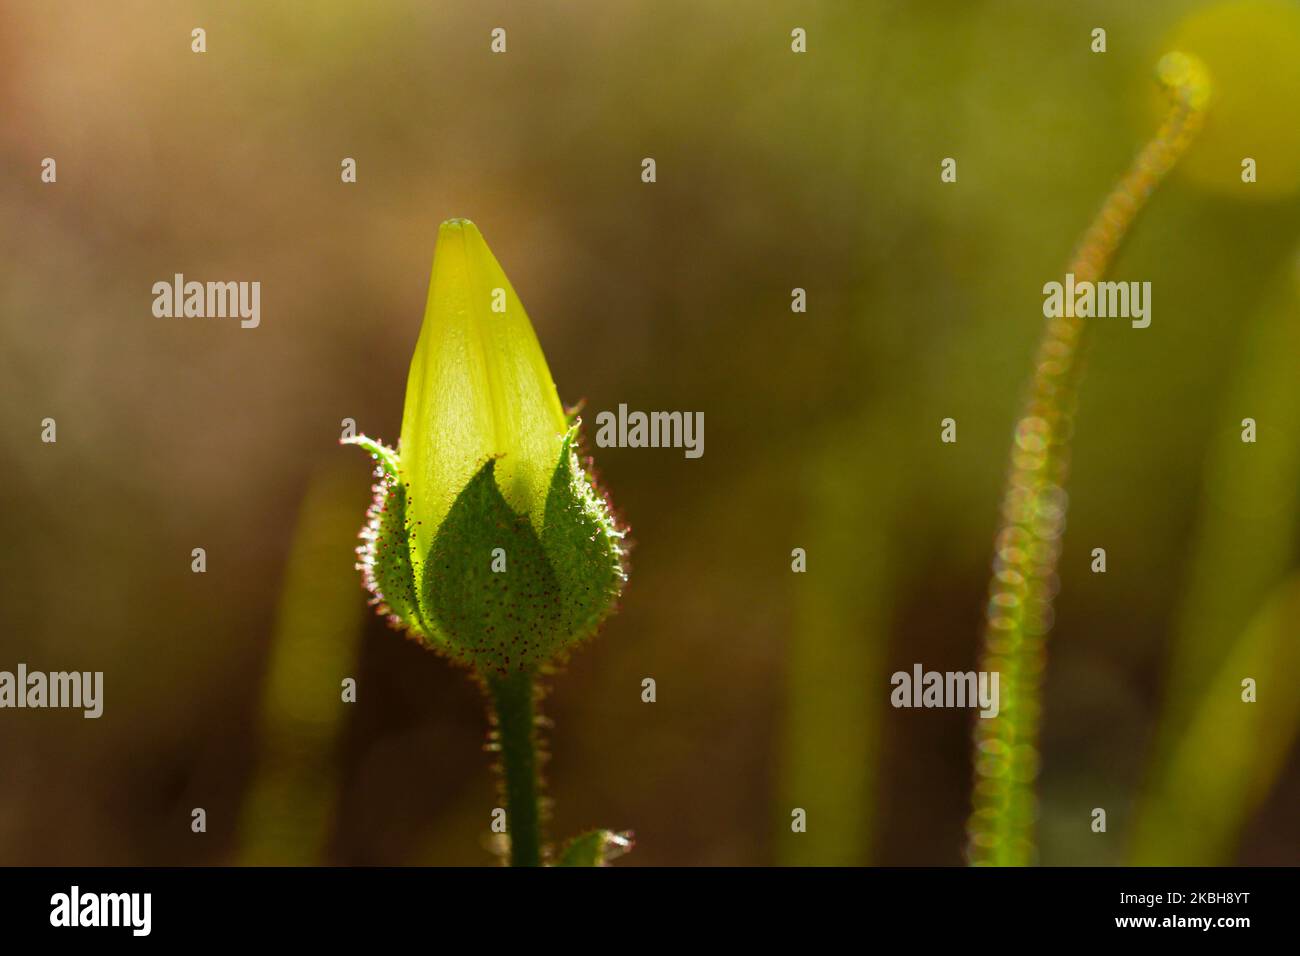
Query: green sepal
column 595, row 848
column 385, row 553
column 556, row 587
column 584, row 544
column 498, row 621
column 385, row 457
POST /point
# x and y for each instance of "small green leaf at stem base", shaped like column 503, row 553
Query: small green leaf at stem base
column 595, row 848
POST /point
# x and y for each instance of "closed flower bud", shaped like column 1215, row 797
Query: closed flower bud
column 487, row 538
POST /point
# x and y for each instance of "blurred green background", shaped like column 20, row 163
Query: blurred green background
column 775, row 171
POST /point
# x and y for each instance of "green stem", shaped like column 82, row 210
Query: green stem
column 515, row 716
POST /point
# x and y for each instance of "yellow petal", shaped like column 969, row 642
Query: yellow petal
column 478, row 387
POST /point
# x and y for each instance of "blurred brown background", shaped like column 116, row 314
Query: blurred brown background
column 775, row 171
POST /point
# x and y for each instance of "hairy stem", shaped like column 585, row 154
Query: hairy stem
column 515, row 736
column 1019, row 614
